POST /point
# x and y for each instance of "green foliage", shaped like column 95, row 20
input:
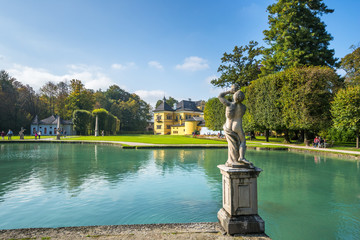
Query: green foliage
column 171, row 101
column 82, row 120
column 294, row 99
column 351, row 64
column 297, row 36
column 19, row 103
column 107, row 122
column 337, row 135
column 240, row 67
column 80, row 97
column 214, row 114
column 133, row 114
column 345, row 110
column 305, row 97
column 264, row 96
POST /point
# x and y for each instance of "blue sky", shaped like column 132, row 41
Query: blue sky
column 153, row 48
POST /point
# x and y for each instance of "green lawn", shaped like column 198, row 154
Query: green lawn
column 154, row 139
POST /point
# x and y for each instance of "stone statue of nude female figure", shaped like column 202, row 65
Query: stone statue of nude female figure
column 233, row 129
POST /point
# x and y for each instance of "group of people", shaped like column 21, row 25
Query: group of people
column 9, row 134
column 319, row 142
column 37, row 134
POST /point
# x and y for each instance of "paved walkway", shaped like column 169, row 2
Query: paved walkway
column 312, row 148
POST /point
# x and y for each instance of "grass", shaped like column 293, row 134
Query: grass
column 152, row 139
column 171, row 139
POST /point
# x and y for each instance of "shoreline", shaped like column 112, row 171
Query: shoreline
column 171, row 231
column 353, row 155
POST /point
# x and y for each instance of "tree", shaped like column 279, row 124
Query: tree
column 351, row 64
column 297, row 36
column 214, row 114
column 18, row 103
column 114, row 92
column 61, row 95
column 170, row 101
column 305, row 97
column 240, row 67
column 48, row 95
column 80, row 97
column 82, row 120
column 107, row 122
column 133, row 114
column 263, row 102
column 345, row 110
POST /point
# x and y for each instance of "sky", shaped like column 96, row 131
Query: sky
column 152, row 48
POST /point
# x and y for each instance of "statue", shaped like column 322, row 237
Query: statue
column 233, row 129
column 21, row 133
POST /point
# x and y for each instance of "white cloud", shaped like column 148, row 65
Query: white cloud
column 91, row 77
column 2, row 57
column 125, row 66
column 193, row 64
column 156, row 65
column 151, row 96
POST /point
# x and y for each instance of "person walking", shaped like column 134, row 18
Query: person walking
column 9, row 134
column 2, row 135
column 39, row 134
column 36, row 135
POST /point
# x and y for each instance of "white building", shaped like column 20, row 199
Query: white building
column 48, row 126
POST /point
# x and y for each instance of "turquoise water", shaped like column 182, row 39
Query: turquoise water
column 51, row 185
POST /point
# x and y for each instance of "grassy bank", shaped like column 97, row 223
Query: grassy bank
column 152, row 139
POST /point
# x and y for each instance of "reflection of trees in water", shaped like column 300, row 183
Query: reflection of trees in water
column 66, row 165
column 186, row 159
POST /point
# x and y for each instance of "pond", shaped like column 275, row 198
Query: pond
column 301, row 196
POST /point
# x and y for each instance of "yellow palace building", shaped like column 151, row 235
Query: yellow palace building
column 184, row 119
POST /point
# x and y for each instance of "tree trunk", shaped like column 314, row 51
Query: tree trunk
column 252, row 135
column 286, row 136
column 302, row 137
column 357, row 139
column 267, row 135
column 306, row 138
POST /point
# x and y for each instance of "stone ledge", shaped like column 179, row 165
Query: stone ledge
column 174, row 231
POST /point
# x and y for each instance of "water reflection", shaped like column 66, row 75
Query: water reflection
column 68, row 166
column 301, row 196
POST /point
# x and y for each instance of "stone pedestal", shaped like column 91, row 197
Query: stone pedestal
column 239, row 214
column 58, row 137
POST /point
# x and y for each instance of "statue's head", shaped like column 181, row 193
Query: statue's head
column 239, row 96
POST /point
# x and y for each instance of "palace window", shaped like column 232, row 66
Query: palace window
column 168, row 126
column 158, row 126
column 168, row 117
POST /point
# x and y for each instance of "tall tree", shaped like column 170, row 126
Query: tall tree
column 297, row 36
column 305, row 97
column 214, row 114
column 48, row 96
column 62, row 94
column 239, row 67
column 80, row 97
column 263, row 102
column 345, row 110
column 114, row 92
column 133, row 114
column 351, row 64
